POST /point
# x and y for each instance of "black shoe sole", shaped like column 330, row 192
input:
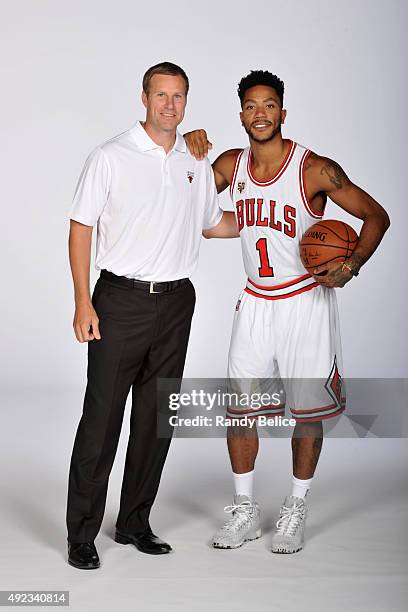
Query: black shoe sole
column 286, row 552
column 83, row 567
column 120, row 539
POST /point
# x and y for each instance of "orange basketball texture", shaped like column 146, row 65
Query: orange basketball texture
column 328, row 240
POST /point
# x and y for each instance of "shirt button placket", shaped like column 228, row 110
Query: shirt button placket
column 165, row 170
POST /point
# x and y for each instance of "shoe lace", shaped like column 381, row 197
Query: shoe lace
column 240, row 515
column 290, row 519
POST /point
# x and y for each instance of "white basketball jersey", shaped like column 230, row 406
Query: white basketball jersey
column 272, row 217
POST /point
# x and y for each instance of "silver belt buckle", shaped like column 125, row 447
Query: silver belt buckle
column 151, row 290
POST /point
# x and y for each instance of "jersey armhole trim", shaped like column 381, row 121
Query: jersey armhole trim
column 235, row 172
column 302, row 185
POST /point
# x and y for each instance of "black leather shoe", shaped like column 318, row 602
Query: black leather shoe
column 83, row 555
column 146, row 542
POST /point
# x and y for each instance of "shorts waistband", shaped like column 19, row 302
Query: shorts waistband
column 281, row 290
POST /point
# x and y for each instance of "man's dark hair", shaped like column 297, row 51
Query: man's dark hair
column 260, row 77
column 164, row 68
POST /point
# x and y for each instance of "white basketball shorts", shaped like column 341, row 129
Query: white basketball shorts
column 289, row 350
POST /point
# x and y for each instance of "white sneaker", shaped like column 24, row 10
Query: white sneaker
column 244, row 524
column 289, row 536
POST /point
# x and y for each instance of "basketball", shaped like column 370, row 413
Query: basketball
column 325, row 241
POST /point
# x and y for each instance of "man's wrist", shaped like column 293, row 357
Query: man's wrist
column 353, row 264
column 82, row 300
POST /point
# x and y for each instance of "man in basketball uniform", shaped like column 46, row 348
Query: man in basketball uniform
column 286, row 320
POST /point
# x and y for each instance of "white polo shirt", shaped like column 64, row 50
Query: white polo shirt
column 150, row 208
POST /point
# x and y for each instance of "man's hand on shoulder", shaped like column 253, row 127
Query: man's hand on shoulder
column 198, row 143
column 86, row 322
column 223, row 167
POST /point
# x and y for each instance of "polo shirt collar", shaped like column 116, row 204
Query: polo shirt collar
column 145, row 143
column 180, row 144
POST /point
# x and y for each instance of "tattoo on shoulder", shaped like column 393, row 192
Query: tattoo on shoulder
column 310, row 160
column 335, row 173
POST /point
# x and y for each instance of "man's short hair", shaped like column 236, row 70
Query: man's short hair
column 164, row 68
column 260, row 77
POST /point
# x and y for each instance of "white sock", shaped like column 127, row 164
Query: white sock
column 244, row 483
column 300, row 487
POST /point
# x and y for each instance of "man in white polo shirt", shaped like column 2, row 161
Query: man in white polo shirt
column 150, row 200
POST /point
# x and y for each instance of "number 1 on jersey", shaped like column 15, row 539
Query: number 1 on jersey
column 262, row 248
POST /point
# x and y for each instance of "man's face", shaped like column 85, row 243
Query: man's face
column 165, row 102
column 262, row 114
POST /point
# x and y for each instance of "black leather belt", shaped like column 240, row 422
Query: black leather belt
column 148, row 286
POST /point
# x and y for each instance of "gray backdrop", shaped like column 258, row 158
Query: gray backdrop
column 71, row 78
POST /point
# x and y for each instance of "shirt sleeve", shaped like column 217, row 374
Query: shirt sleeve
column 213, row 212
column 92, row 190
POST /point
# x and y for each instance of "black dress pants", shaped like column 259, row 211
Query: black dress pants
column 144, row 337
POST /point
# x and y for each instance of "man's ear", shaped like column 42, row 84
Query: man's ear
column 144, row 99
column 283, row 115
column 240, row 116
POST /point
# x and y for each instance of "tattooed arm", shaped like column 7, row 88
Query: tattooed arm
column 323, row 175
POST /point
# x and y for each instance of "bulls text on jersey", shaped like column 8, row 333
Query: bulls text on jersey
column 263, row 214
